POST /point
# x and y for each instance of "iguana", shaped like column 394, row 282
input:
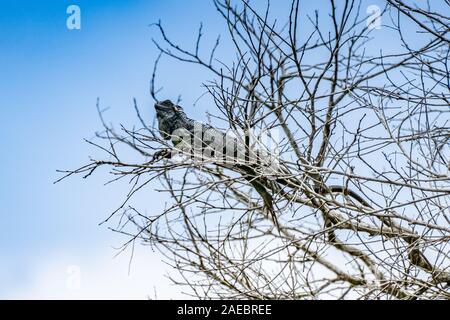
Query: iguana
column 175, row 125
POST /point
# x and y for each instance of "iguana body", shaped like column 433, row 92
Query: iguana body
column 175, row 125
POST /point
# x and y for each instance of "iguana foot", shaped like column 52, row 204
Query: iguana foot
column 162, row 154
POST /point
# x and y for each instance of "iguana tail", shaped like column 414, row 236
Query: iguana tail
column 267, row 199
column 345, row 191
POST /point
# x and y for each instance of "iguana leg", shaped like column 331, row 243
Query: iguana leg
column 266, row 196
column 161, row 154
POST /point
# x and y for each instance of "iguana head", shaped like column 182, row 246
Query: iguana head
column 166, row 109
column 170, row 117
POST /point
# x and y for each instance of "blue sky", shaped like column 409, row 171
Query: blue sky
column 50, row 80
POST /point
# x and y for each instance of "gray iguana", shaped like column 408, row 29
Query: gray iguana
column 172, row 119
column 176, row 126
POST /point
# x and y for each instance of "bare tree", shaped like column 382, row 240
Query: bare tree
column 374, row 123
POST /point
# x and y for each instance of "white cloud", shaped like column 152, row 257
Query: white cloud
column 101, row 276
